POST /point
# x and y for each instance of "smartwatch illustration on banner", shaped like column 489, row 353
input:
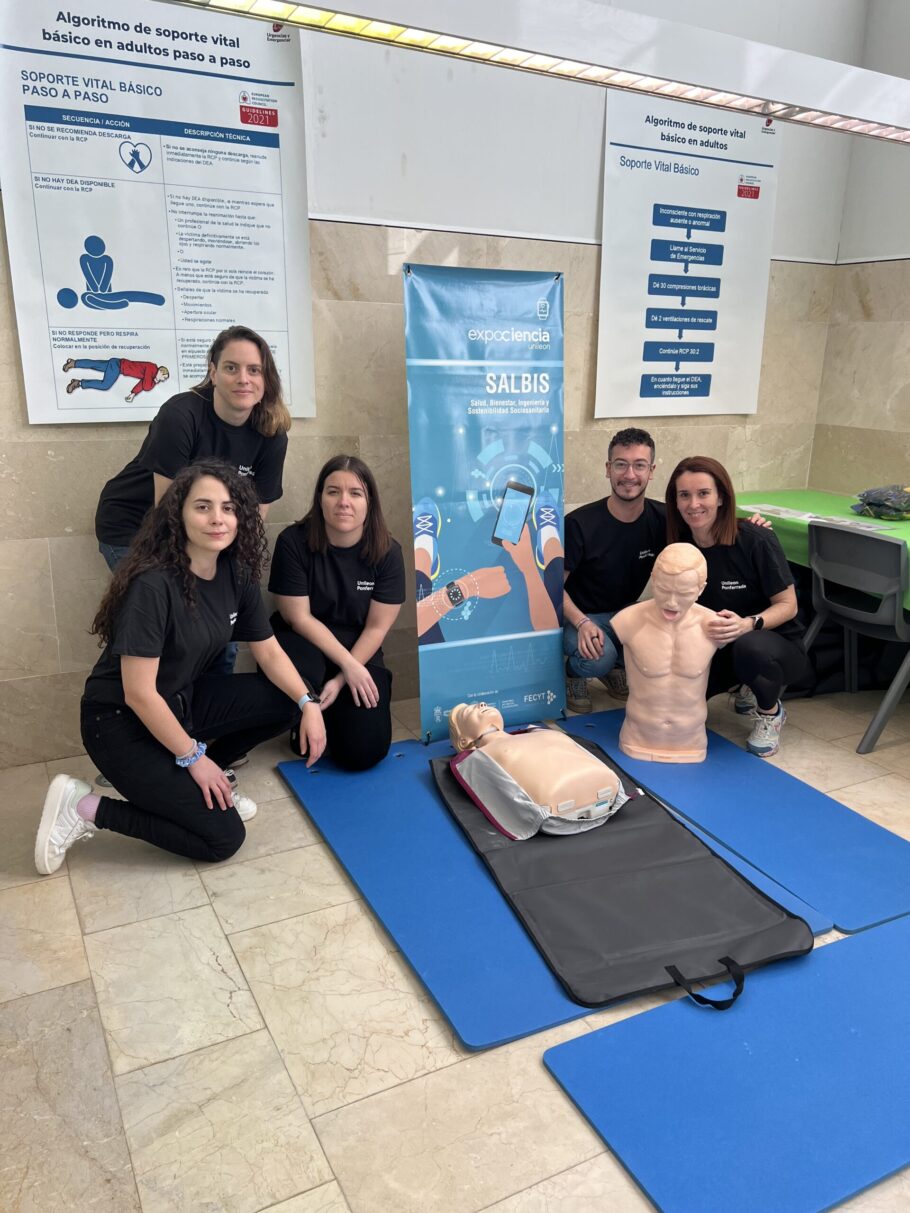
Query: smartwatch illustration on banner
column 454, row 593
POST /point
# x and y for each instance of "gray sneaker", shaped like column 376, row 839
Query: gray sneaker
column 616, row 684
column 577, row 697
column 60, row 824
column 764, row 740
column 245, row 807
column 743, row 701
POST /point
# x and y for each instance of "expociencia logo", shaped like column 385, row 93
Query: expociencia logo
column 508, row 334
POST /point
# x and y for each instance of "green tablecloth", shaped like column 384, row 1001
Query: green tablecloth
column 793, row 533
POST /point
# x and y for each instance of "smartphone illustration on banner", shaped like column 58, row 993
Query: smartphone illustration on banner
column 513, row 511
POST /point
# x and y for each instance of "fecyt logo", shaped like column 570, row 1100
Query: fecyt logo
column 546, row 696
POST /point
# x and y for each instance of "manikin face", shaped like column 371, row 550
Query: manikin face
column 344, row 504
column 629, row 471
column 209, row 516
column 238, row 379
column 698, row 501
column 674, row 593
column 476, row 719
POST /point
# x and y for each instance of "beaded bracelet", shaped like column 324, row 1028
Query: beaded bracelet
column 199, row 748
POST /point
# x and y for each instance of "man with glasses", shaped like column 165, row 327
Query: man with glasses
column 611, row 546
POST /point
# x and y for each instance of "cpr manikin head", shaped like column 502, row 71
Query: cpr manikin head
column 679, row 576
column 468, row 722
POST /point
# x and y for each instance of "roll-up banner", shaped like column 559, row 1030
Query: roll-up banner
column 688, row 217
column 485, row 406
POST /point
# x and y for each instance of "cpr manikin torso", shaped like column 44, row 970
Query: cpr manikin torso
column 668, row 656
column 550, row 767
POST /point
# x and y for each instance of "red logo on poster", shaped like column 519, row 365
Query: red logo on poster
column 257, row 115
column 277, row 28
column 747, row 191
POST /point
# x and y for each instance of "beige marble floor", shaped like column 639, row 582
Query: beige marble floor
column 246, row 1037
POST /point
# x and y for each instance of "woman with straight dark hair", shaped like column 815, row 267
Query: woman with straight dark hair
column 338, row 578
column 236, row 413
column 189, row 584
column 751, row 589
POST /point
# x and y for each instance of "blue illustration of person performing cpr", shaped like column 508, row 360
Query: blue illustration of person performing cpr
column 97, row 267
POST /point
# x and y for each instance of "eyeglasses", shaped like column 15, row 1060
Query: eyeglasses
column 639, row 467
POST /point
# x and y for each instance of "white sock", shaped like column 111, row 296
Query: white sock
column 546, row 533
column 424, row 544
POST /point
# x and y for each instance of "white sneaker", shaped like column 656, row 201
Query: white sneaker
column 577, row 697
column 245, row 807
column 60, row 824
column 616, row 684
column 743, row 701
column 764, row 740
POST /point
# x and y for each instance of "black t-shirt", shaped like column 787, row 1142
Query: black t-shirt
column 608, row 561
column 338, row 582
column 186, row 428
column 742, row 576
column 155, row 621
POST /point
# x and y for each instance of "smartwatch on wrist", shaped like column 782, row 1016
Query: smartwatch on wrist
column 758, row 622
column 454, row 593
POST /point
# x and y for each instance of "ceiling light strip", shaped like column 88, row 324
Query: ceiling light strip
column 348, row 25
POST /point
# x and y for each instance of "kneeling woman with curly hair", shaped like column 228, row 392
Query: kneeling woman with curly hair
column 189, row 584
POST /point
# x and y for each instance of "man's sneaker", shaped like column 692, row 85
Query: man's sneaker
column 546, row 513
column 60, row 824
column 616, row 684
column 245, row 807
column 743, row 701
column 577, row 697
column 764, row 740
column 428, row 522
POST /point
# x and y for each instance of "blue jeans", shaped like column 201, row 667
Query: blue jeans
column 578, row 666
column 113, row 553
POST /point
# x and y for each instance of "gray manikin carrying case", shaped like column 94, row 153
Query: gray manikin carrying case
column 636, row 905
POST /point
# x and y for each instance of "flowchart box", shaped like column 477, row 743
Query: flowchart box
column 675, row 351
column 678, row 284
column 687, row 251
column 675, row 385
column 689, row 217
column 680, row 319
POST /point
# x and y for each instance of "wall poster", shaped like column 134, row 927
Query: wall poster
column 688, row 215
column 154, row 190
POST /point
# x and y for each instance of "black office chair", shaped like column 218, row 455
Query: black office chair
column 859, row 580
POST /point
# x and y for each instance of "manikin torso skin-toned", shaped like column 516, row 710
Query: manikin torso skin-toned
column 668, row 657
column 547, row 764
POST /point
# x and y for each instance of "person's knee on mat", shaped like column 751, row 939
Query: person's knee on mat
column 357, row 759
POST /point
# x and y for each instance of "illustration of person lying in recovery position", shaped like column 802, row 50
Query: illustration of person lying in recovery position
column 668, row 655
column 146, row 374
column 539, row 779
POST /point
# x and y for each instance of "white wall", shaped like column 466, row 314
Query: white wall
column 401, row 138
column 875, row 225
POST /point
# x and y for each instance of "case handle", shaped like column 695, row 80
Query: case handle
column 737, row 976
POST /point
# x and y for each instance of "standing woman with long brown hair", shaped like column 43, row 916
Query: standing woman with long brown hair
column 338, row 578
column 189, row 584
column 751, row 589
column 236, row 413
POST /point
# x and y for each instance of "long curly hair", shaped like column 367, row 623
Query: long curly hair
column 160, row 542
column 271, row 415
column 376, row 539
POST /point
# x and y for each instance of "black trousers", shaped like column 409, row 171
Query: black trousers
column 764, row 661
column 356, row 738
column 164, row 805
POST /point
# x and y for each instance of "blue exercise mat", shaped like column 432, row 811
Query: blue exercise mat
column 853, row 871
column 795, row 1099
column 413, row 864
